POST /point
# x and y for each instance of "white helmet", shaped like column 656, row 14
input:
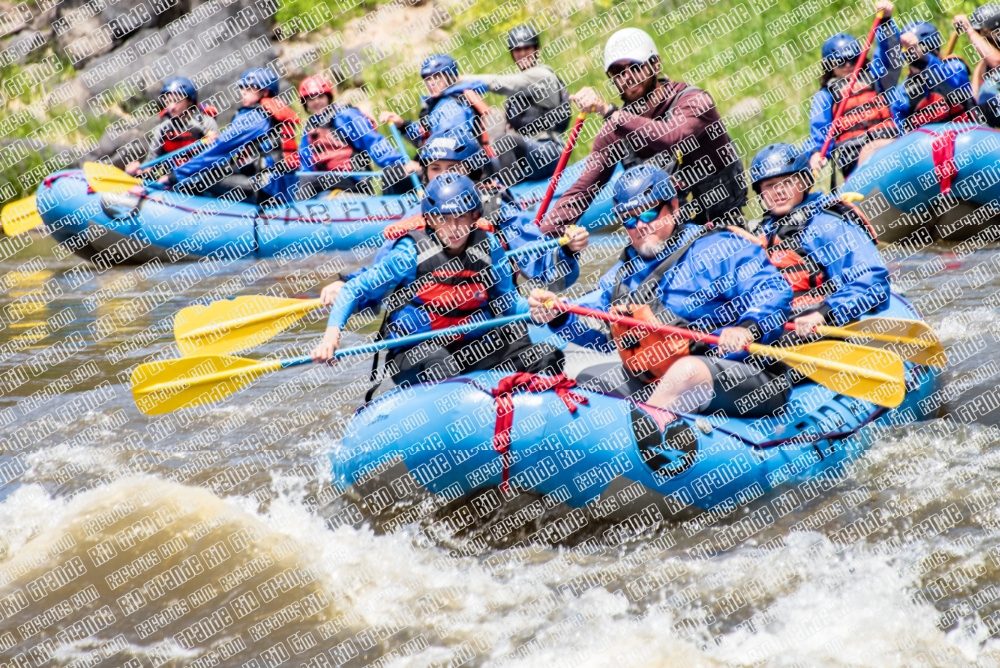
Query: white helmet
column 629, row 44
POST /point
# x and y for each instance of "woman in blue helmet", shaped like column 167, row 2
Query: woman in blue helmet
column 444, row 272
column 708, row 278
column 936, row 89
column 823, row 247
column 866, row 115
column 184, row 122
column 451, row 103
column 255, row 154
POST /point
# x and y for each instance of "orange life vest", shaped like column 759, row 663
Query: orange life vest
column 399, row 229
column 805, row 276
column 865, row 116
column 282, row 116
column 329, row 149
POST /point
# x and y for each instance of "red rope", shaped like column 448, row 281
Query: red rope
column 526, row 382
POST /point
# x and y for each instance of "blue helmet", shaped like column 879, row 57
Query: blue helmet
column 455, row 144
column 260, row 78
column 777, row 160
column 181, row 86
column 841, row 48
column 450, row 193
column 439, row 62
column 928, row 35
column 641, row 187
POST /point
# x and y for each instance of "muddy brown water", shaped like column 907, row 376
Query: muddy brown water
column 217, row 540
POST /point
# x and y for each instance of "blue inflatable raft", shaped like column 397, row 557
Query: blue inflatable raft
column 440, row 438
column 112, row 229
column 940, row 181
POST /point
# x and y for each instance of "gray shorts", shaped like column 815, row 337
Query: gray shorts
column 740, row 390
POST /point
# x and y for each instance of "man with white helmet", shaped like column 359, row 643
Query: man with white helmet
column 668, row 123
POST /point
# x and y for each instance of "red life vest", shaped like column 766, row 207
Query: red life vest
column 805, row 276
column 934, row 107
column 282, row 116
column 184, row 131
column 866, row 116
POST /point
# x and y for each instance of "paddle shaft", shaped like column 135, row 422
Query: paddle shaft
column 850, row 86
column 952, row 42
column 417, row 188
column 339, row 173
column 563, row 160
column 782, row 354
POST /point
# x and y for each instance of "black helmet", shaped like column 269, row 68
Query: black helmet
column 523, row 35
column 986, row 17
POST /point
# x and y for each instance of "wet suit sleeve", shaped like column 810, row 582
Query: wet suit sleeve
column 399, row 267
column 555, row 268
column 887, row 62
column 820, row 119
column 246, row 127
column 760, row 294
column 358, row 129
column 852, row 263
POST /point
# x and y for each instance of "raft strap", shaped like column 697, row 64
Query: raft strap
column 504, row 395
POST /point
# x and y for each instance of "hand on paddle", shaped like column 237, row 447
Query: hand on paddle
column 589, row 100
column 537, row 301
column 734, row 339
column 328, row 346
column 817, row 161
column 579, row 237
column 805, row 325
column 391, row 117
column 962, row 24
column 329, row 293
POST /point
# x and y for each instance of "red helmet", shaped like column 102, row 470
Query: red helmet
column 314, row 86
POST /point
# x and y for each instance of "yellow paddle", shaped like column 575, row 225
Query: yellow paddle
column 20, row 216
column 170, row 385
column 108, row 179
column 876, row 376
column 912, row 340
column 232, row 325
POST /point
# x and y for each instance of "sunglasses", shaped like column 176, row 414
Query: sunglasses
column 646, row 217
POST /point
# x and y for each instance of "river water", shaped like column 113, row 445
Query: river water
column 215, row 538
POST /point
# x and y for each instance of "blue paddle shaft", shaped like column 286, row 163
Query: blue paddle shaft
column 412, row 339
column 338, row 173
column 399, row 146
column 533, row 248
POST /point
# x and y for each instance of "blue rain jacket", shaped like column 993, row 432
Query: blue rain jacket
column 248, row 125
column 849, row 259
column 449, row 110
column 723, row 280
column 356, row 128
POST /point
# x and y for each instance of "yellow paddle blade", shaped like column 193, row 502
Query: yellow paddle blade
column 170, row 385
column 913, row 340
column 107, row 179
column 876, row 376
column 233, row 325
column 20, row 216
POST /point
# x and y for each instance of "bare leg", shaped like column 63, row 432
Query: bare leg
column 686, row 387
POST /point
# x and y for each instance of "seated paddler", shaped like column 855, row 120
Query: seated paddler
column 709, row 278
column 445, row 272
column 823, row 246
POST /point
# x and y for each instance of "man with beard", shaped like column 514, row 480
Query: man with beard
column 707, row 278
column 667, row 123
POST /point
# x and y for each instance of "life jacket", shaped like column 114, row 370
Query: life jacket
column 184, row 130
column 934, row 105
column 330, row 149
column 284, row 119
column 524, row 113
column 646, row 354
column 865, row 116
column 805, row 276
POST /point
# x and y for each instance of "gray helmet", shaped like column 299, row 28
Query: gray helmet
column 522, row 35
column 986, row 17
